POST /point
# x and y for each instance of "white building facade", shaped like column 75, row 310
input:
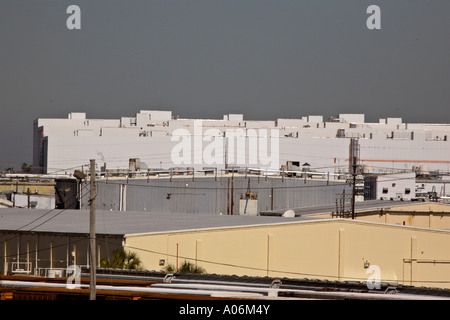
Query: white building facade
column 160, row 141
column 394, row 186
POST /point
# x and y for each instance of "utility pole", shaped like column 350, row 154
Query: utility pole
column 92, row 242
column 354, row 188
column 354, row 157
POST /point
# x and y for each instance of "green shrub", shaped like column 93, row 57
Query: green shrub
column 186, row 267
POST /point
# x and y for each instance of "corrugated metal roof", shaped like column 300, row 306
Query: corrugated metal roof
column 360, row 206
column 123, row 222
column 137, row 222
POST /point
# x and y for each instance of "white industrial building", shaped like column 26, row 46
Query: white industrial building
column 395, row 186
column 34, row 201
column 159, row 140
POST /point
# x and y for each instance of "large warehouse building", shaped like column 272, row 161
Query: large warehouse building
column 158, row 140
column 230, row 194
column 332, row 249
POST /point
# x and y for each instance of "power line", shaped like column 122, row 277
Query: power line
column 36, row 219
column 225, row 188
column 207, row 261
column 277, row 271
column 296, row 273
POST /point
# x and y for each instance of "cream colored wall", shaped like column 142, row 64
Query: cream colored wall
column 424, row 207
column 45, row 189
column 422, row 220
column 427, row 215
column 333, row 249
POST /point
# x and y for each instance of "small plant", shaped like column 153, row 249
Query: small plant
column 186, row 267
column 169, row 268
column 122, row 259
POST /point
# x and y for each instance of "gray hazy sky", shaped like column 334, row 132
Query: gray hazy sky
column 266, row 59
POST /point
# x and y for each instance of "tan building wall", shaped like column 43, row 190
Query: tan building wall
column 430, row 220
column 427, row 215
column 334, row 249
column 22, row 187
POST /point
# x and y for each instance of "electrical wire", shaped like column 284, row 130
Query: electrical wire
column 198, row 188
column 274, row 270
column 237, row 266
column 330, row 184
column 42, row 216
column 29, row 230
column 190, row 258
column 231, row 265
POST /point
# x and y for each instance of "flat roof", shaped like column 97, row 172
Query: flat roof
column 120, row 223
column 360, row 206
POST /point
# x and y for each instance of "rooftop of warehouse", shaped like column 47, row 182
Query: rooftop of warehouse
column 120, row 223
column 123, row 222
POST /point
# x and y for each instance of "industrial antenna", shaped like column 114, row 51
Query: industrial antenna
column 354, row 158
column 92, row 241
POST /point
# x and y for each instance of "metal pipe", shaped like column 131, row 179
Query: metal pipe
column 215, row 287
column 177, row 258
column 217, row 293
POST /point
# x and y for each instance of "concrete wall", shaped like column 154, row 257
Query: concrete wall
column 332, row 249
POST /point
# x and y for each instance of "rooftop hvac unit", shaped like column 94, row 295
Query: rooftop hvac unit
column 135, row 164
column 424, row 170
column 367, row 169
